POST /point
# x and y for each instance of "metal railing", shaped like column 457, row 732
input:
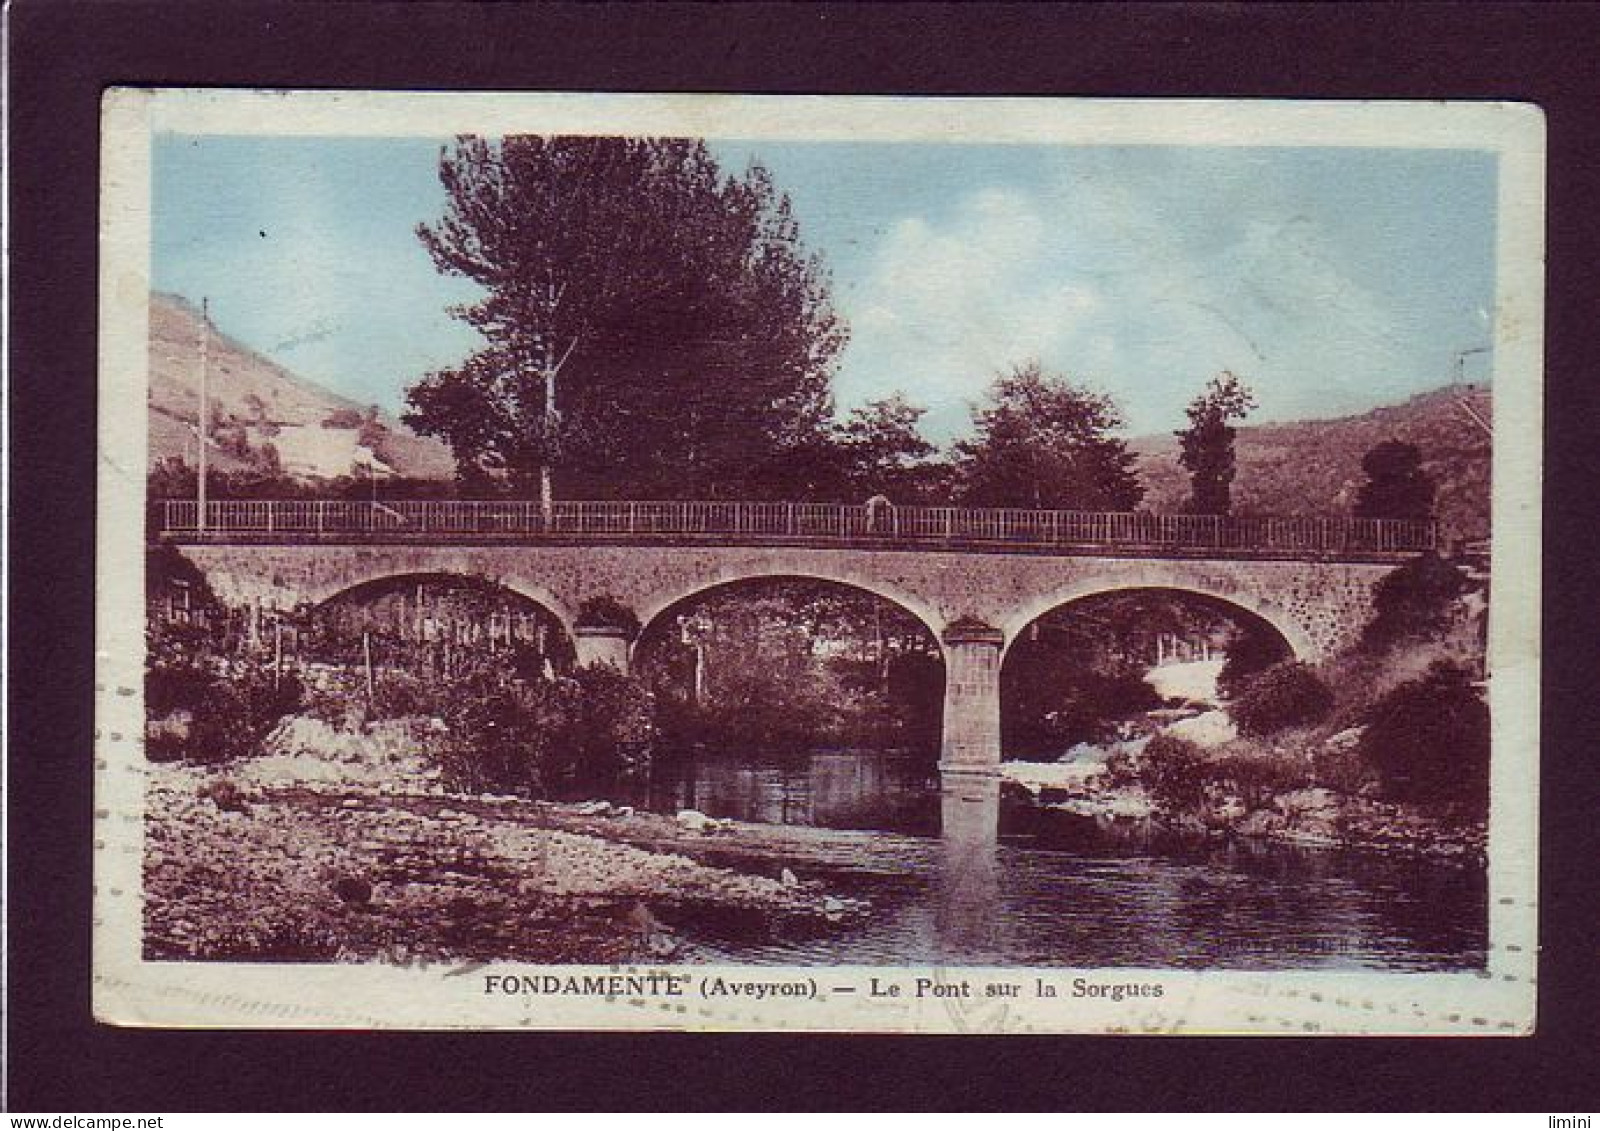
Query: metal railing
column 292, row 520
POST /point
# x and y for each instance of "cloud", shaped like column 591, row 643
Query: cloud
column 1138, row 285
column 947, row 305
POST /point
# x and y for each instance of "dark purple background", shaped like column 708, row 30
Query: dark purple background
column 65, row 53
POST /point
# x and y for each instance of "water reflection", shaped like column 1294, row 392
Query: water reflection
column 825, row 788
column 1050, row 890
column 969, row 871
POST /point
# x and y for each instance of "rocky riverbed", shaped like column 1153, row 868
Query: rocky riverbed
column 1312, row 816
column 283, row 860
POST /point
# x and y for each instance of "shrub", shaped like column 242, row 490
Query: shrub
column 1251, row 654
column 1285, row 695
column 546, row 737
column 1255, row 776
column 1428, row 740
column 1174, row 773
column 226, row 794
column 497, row 735
column 1341, row 766
column 1413, row 602
column 607, row 731
column 230, row 705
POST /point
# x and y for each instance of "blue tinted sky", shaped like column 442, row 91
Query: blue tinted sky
column 1332, row 279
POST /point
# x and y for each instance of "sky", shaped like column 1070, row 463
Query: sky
column 1332, row 280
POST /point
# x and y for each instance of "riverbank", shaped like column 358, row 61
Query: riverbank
column 258, row 862
column 1312, row 816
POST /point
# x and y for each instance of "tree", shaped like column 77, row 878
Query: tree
column 1045, row 443
column 1206, row 447
column 883, row 451
column 1396, row 485
column 652, row 326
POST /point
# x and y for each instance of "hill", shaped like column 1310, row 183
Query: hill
column 1313, row 467
column 265, row 418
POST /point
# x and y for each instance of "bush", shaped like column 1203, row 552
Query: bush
column 498, row 734
column 1252, row 653
column 1413, row 602
column 1341, row 766
column 1255, row 776
column 543, row 737
column 1053, row 707
column 229, row 705
column 1428, row 740
column 1285, row 695
column 607, row 731
column 1174, row 773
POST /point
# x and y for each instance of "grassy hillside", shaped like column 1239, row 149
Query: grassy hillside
column 261, row 412
column 1314, row 466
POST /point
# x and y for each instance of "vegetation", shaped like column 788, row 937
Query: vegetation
column 788, row 665
column 608, row 612
column 172, row 478
column 1173, row 772
column 1047, row 711
column 1284, row 695
column 1428, row 739
column 655, row 328
column 1396, row 486
column 1041, row 442
column 545, row 738
column 882, row 452
column 1206, row 446
column 1313, row 467
column 1413, row 602
column 1248, row 655
column 208, row 707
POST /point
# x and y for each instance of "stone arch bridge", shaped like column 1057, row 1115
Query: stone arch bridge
column 976, row 579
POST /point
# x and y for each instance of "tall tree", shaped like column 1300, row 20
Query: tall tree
column 652, row 326
column 883, row 450
column 1396, row 485
column 1039, row 441
column 1206, row 447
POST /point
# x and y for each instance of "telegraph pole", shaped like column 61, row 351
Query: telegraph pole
column 1461, row 402
column 205, row 412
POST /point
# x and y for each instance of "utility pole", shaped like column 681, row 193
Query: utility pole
column 205, row 411
column 1461, row 402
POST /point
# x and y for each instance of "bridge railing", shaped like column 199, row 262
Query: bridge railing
column 513, row 520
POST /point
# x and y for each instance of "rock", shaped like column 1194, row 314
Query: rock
column 694, row 821
column 1345, row 739
column 593, row 809
column 353, row 890
column 1231, row 811
column 350, row 803
column 1306, row 802
column 788, row 879
column 1260, row 822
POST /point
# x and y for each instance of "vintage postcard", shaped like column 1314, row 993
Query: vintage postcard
column 891, row 565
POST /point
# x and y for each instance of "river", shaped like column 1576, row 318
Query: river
column 957, row 876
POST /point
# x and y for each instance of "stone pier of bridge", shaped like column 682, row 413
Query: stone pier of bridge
column 971, row 697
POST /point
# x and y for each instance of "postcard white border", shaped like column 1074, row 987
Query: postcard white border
column 1499, row 1000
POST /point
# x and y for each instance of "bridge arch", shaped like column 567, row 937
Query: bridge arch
column 658, row 605
column 534, row 594
column 1255, row 608
column 547, row 610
